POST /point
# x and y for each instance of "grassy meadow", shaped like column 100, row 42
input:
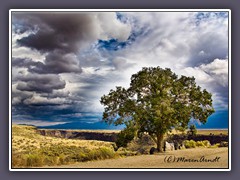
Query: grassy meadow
column 30, row 149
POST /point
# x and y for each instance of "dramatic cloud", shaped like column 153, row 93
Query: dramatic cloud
column 214, row 78
column 54, row 63
column 67, row 32
column 40, row 83
column 63, row 62
column 218, row 69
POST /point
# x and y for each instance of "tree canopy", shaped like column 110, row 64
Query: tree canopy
column 157, row 101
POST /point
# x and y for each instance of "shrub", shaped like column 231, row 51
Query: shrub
column 124, row 137
column 18, row 160
column 125, row 152
column 106, row 153
column 101, row 153
column 215, row 145
column 192, row 130
column 223, row 144
column 81, row 157
column 189, row 144
column 34, row 160
column 200, row 144
column 204, row 143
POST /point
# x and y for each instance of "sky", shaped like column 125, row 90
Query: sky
column 63, row 62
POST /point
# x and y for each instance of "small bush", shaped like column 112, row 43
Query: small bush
column 124, row 137
column 204, row 143
column 81, row 157
column 34, row 160
column 215, row 145
column 18, row 160
column 192, row 130
column 193, row 144
column 200, row 144
column 101, row 153
column 106, row 153
column 223, row 144
column 189, row 144
column 125, row 152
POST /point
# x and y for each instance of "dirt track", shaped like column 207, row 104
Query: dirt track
column 217, row 157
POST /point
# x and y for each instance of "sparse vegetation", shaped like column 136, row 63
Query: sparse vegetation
column 189, row 144
column 30, row 149
column 223, row 144
column 194, row 144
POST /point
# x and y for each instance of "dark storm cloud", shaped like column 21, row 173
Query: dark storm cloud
column 40, row 83
column 209, row 47
column 18, row 96
column 54, row 64
column 24, row 62
column 59, row 35
column 56, row 31
column 44, row 112
column 56, row 94
column 57, row 63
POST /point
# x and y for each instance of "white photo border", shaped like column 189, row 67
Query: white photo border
column 119, row 10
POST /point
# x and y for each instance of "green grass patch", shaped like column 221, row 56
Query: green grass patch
column 193, row 144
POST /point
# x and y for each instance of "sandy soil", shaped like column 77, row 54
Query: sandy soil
column 199, row 157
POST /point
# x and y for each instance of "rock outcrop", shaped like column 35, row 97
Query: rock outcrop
column 86, row 135
column 112, row 136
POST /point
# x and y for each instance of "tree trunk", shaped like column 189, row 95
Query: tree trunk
column 160, row 142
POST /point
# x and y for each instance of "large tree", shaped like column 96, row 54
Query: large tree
column 156, row 102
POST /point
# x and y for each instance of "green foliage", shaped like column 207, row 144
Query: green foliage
column 157, row 101
column 125, row 136
column 200, row 144
column 192, row 130
column 204, row 143
column 193, row 144
column 189, row 144
column 215, row 145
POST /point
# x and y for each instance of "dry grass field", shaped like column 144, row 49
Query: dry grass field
column 25, row 137
column 30, row 149
column 205, row 131
column 213, row 158
column 213, row 131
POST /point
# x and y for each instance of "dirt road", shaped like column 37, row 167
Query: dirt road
column 188, row 158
